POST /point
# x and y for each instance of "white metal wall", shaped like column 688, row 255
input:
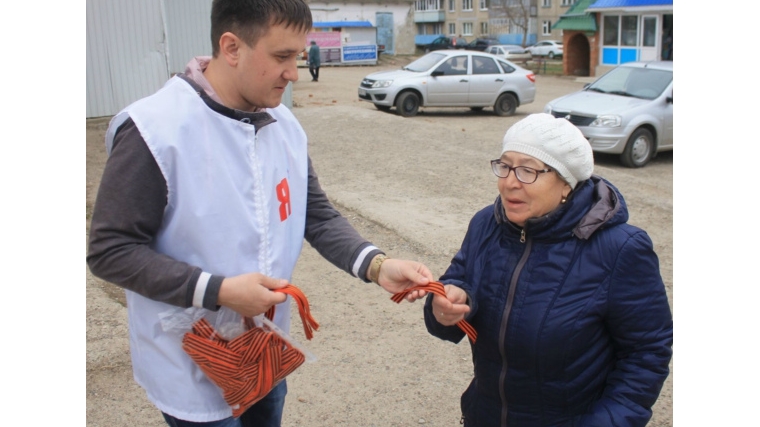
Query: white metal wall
column 126, row 57
column 134, row 46
column 188, row 26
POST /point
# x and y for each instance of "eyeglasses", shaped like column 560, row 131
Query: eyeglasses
column 524, row 174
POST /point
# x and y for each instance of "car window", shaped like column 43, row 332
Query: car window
column 483, row 65
column 645, row 83
column 454, row 66
column 506, row 67
column 425, row 62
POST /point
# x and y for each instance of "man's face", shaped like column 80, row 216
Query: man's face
column 265, row 69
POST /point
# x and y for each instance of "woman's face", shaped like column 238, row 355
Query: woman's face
column 524, row 201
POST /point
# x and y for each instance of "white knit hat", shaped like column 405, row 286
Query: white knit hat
column 554, row 141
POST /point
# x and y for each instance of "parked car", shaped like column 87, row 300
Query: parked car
column 451, row 78
column 510, row 52
column 481, row 44
column 628, row 111
column 444, row 42
column 548, row 48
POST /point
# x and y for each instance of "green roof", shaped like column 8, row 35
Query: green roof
column 577, row 18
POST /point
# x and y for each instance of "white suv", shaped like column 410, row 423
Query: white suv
column 548, row 48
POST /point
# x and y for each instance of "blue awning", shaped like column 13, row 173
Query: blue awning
column 338, row 24
column 619, row 4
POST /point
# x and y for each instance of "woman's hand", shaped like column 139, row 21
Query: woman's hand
column 450, row 310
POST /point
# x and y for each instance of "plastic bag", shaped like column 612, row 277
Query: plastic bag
column 244, row 357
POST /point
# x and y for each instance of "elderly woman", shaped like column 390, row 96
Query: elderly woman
column 573, row 323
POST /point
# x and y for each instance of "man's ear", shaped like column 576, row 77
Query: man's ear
column 229, row 48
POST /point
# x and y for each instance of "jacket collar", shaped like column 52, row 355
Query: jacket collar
column 595, row 203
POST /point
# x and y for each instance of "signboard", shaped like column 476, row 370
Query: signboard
column 357, row 53
column 324, row 38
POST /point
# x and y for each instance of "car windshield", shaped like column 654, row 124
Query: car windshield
column 644, row 83
column 424, row 63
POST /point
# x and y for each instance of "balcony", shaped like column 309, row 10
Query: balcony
column 422, row 16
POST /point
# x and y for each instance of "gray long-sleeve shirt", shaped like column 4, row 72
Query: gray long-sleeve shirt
column 129, row 211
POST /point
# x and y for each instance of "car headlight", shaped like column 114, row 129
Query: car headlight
column 607, row 121
column 382, row 83
column 548, row 109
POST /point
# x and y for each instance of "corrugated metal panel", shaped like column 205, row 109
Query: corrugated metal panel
column 134, row 46
column 188, row 24
column 126, row 53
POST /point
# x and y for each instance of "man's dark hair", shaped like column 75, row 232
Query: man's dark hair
column 251, row 19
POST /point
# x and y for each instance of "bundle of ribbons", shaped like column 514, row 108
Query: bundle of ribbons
column 248, row 366
column 438, row 289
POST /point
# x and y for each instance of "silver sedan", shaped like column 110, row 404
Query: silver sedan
column 510, row 52
column 628, row 111
column 451, row 78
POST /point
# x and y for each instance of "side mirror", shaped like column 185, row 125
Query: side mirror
column 436, row 73
column 669, row 99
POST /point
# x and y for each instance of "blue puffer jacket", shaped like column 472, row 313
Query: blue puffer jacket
column 574, row 326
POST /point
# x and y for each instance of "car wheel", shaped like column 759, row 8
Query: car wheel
column 407, row 104
column 505, row 105
column 382, row 107
column 551, row 55
column 639, row 149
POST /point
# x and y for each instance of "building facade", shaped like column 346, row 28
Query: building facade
column 601, row 34
column 508, row 21
column 548, row 13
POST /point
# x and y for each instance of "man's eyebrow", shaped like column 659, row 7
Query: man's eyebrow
column 287, row 51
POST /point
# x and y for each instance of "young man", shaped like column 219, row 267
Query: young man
column 205, row 201
column 314, row 61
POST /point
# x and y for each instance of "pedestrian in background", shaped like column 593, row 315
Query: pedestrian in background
column 573, row 322
column 314, row 61
column 206, row 199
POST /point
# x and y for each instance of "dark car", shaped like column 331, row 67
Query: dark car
column 481, row 44
column 444, row 42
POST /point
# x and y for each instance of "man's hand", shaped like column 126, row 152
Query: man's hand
column 398, row 274
column 249, row 294
column 450, row 310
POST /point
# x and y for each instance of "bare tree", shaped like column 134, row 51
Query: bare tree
column 517, row 14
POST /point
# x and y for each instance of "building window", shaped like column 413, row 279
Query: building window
column 611, row 30
column 452, row 28
column 621, row 30
column 546, row 28
column 428, row 4
column 567, row 2
column 452, row 6
column 467, row 28
column 629, row 30
column 649, row 31
column 484, row 27
column 466, row 4
column 546, row 3
column 483, row 5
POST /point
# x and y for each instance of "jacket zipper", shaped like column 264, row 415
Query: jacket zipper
column 505, row 322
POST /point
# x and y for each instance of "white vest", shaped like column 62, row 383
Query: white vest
column 225, row 214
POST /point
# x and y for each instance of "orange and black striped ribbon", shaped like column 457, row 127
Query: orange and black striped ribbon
column 437, row 288
column 248, row 366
